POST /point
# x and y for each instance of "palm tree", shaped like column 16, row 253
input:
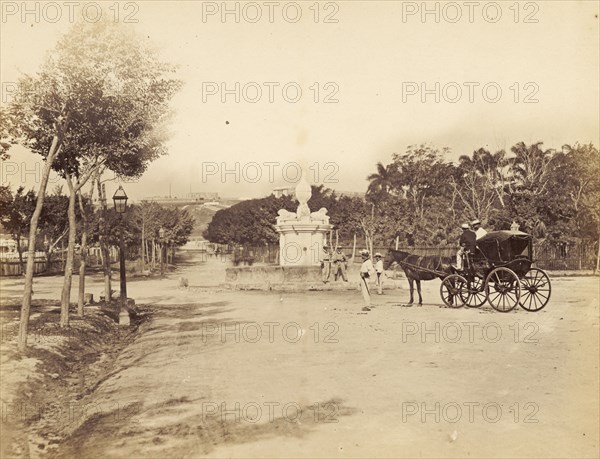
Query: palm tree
column 383, row 182
column 530, row 166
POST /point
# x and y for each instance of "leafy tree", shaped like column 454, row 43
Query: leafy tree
column 54, row 222
column 248, row 222
column 480, row 184
column 6, row 199
column 17, row 217
column 530, row 167
column 6, row 133
column 95, row 101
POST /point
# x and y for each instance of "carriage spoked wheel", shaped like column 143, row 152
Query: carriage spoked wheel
column 535, row 290
column 474, row 295
column 503, row 289
column 452, row 290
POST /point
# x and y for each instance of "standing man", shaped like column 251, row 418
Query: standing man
column 379, row 273
column 479, row 231
column 339, row 265
column 366, row 269
column 325, row 264
column 467, row 245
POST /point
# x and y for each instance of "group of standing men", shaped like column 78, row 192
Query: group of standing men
column 338, row 262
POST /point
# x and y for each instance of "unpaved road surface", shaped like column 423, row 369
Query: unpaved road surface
column 262, row 374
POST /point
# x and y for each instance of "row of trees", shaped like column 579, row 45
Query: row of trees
column 421, row 198
column 550, row 194
column 99, row 103
column 141, row 225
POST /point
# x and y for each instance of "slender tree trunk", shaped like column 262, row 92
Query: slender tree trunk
column 66, row 291
column 354, row 248
column 153, row 254
column 82, row 265
column 39, row 204
column 20, row 252
column 143, row 245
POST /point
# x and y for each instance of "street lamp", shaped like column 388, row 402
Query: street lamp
column 120, row 201
column 161, row 236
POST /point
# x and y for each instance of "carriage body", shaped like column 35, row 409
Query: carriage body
column 501, row 273
column 507, row 249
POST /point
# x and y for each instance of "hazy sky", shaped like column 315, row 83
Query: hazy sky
column 374, row 61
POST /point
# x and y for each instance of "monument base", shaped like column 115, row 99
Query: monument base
column 289, row 279
column 280, row 278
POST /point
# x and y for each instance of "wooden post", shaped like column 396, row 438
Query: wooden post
column 354, row 248
column 397, row 242
column 337, row 239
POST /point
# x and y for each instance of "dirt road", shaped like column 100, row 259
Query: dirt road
column 264, row 374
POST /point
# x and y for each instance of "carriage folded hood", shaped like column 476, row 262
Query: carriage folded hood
column 503, row 245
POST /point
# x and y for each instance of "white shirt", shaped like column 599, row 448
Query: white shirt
column 367, row 266
column 379, row 266
column 480, row 233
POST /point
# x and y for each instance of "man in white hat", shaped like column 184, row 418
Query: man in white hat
column 339, row 265
column 325, row 264
column 466, row 243
column 379, row 273
column 366, row 269
column 479, row 231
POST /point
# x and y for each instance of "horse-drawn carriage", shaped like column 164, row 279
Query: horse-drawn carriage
column 500, row 272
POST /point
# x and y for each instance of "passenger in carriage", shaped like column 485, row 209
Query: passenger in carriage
column 479, row 231
column 467, row 245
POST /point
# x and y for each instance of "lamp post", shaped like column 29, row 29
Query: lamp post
column 120, row 201
column 161, row 236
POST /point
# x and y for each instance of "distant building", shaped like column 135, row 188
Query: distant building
column 283, row 191
column 190, row 198
column 204, row 195
column 287, row 191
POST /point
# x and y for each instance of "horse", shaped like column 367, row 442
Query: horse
column 435, row 267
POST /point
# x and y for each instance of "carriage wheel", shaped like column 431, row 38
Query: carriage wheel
column 503, row 289
column 474, row 296
column 452, row 290
column 535, row 290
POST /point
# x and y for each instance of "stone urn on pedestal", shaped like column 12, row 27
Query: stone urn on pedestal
column 302, row 234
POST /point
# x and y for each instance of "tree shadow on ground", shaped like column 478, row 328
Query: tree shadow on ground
column 135, row 429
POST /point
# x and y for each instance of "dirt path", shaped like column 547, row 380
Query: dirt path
column 257, row 374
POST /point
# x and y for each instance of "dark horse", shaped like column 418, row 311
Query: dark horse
column 433, row 267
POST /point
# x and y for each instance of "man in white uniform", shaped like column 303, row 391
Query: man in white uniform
column 366, row 270
column 325, row 264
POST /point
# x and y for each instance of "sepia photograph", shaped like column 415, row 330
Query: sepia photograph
column 299, row 229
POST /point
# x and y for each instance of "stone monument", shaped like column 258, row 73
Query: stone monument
column 302, row 234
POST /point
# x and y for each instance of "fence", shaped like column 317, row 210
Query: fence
column 580, row 255
column 14, row 268
column 566, row 256
column 11, row 266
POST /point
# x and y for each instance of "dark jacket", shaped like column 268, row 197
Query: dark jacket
column 467, row 240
